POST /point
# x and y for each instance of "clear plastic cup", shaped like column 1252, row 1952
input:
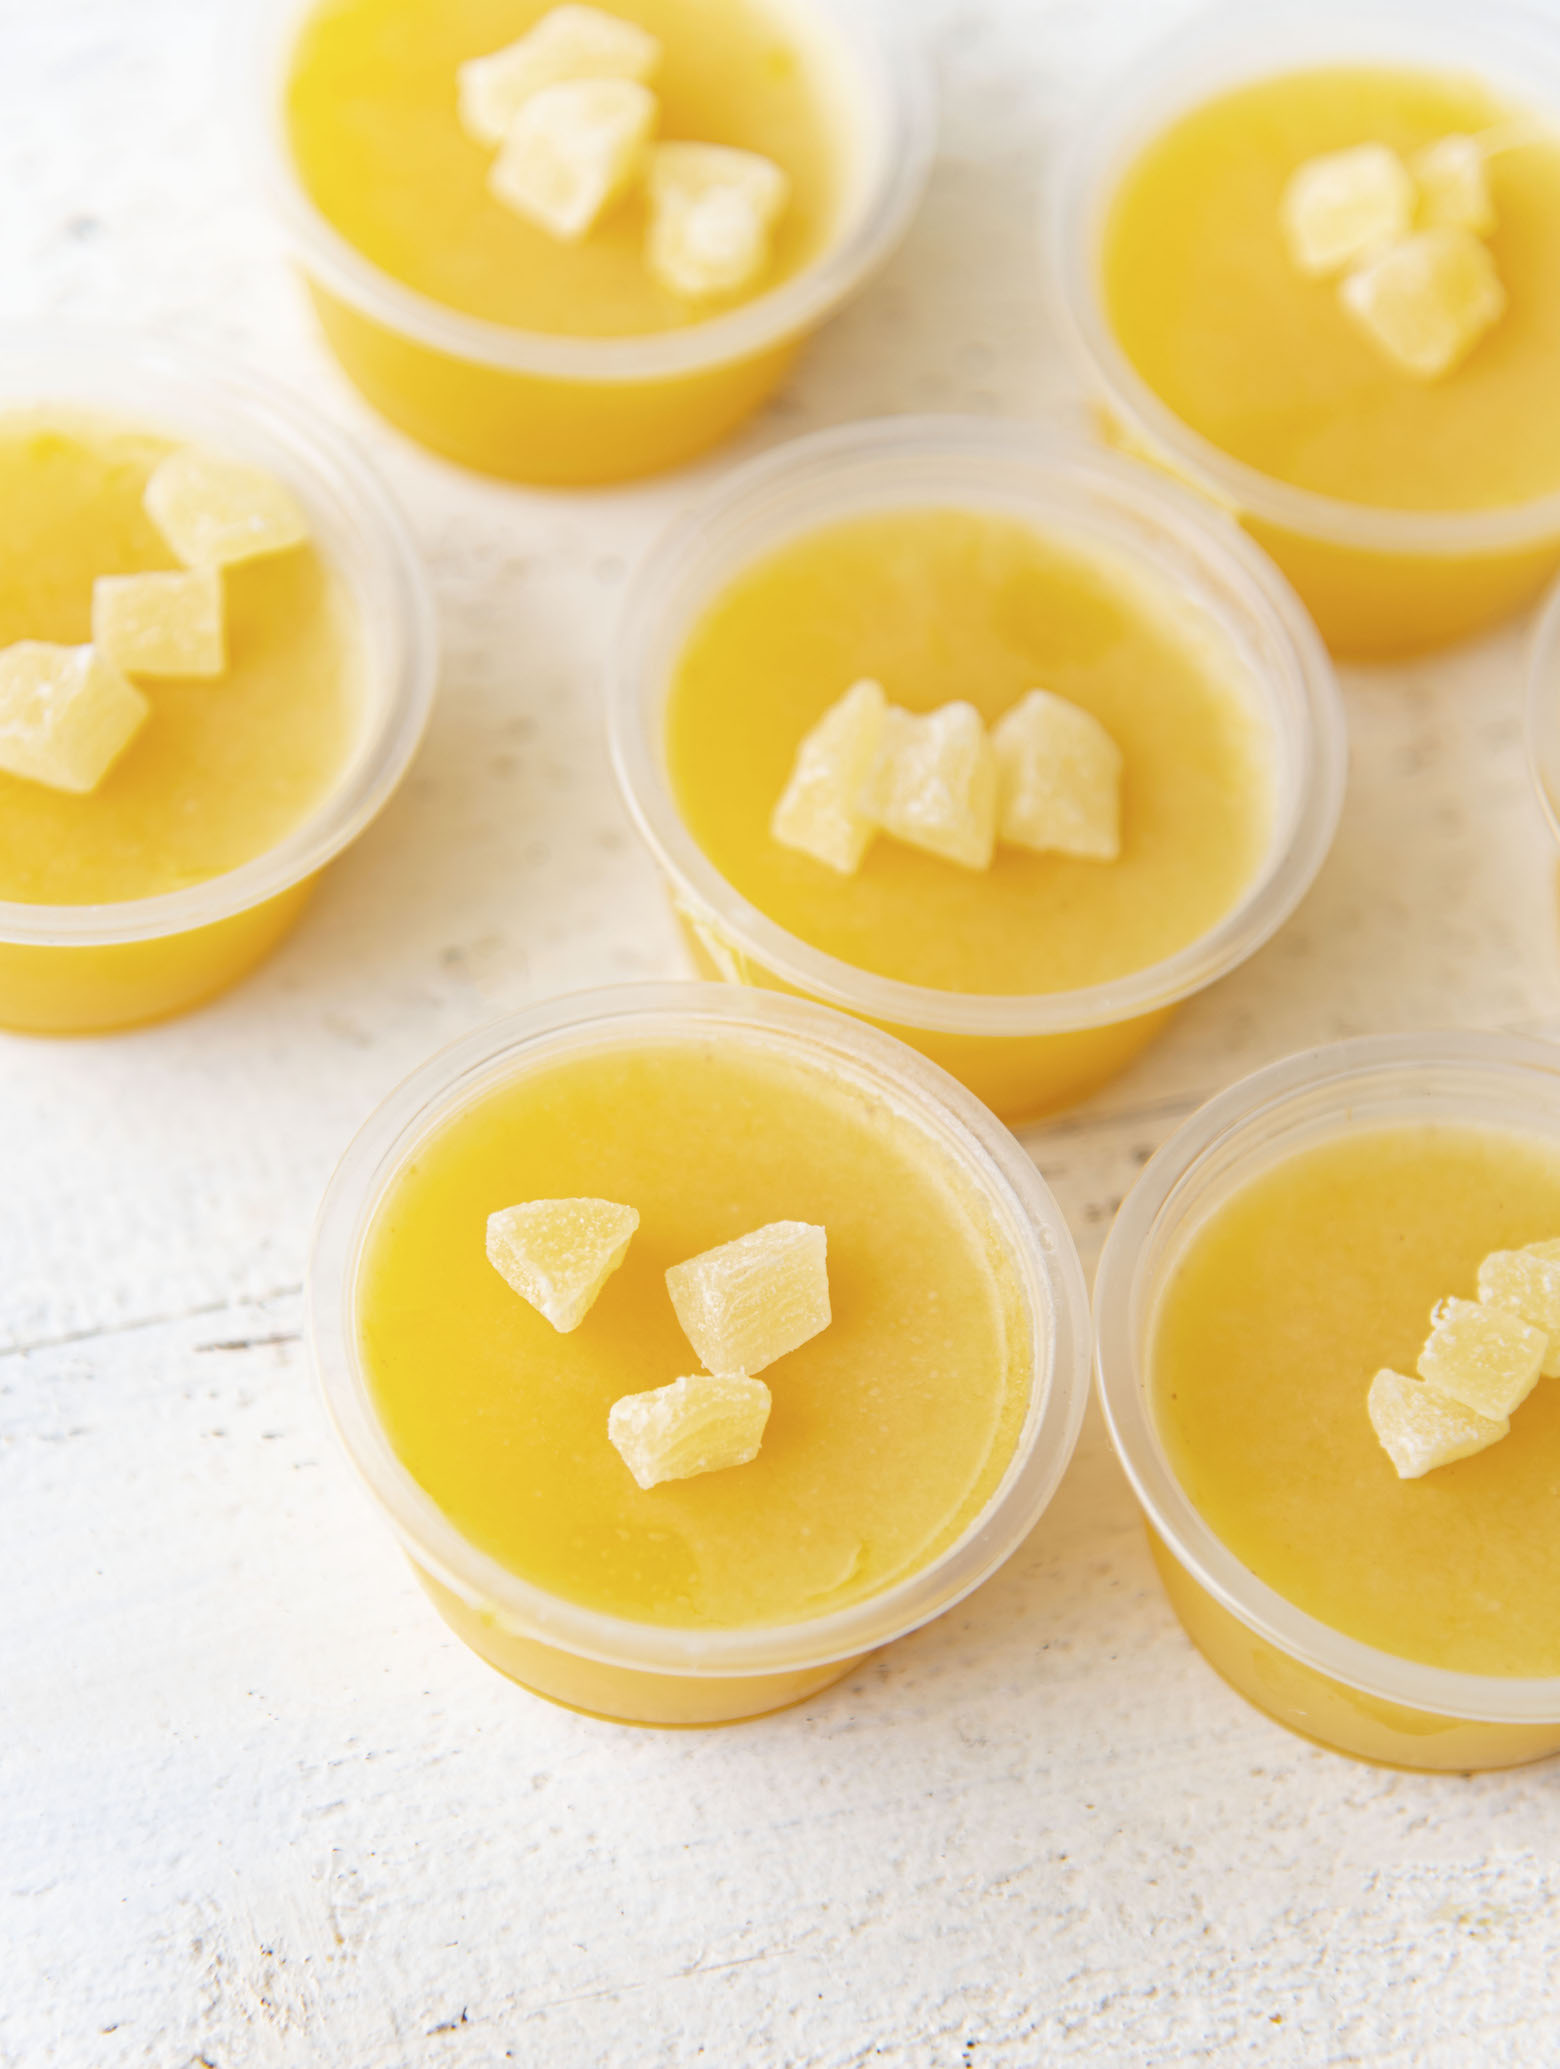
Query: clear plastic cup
column 547, row 408
column 1346, row 1694
column 1542, row 715
column 1028, row 1054
column 646, row 1673
column 1380, row 583
column 83, row 969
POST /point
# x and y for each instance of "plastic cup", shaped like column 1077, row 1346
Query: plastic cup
column 547, row 408
column 1542, row 715
column 1346, row 1694
column 83, row 969
column 646, row 1673
column 1380, row 583
column 1023, row 1055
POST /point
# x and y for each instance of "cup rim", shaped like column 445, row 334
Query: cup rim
column 781, row 495
column 150, row 385
column 1022, row 1204
column 1222, row 45
column 1327, row 1082
column 893, row 69
column 1541, row 708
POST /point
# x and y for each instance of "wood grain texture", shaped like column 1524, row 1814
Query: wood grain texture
column 256, row 1806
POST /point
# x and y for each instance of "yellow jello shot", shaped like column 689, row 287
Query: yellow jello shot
column 977, row 590
column 217, row 654
column 695, row 1344
column 1304, row 254
column 578, row 244
column 1324, row 1322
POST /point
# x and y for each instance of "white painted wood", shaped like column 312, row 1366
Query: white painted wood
column 256, row 1807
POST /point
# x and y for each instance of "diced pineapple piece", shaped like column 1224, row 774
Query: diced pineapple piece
column 1482, row 1356
column 558, row 1254
column 214, row 512
column 1527, row 1286
column 1454, row 185
column 571, row 151
column 1341, row 207
column 161, row 624
column 701, row 1424
column 569, row 43
column 711, row 212
column 66, row 714
column 1425, row 303
column 1059, row 779
column 746, row 1303
column 1421, row 1429
column 821, row 810
column 1549, row 1251
column 935, row 784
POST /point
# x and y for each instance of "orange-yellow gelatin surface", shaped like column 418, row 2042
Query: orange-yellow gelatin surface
column 1295, row 1292
column 889, row 1432
column 940, row 604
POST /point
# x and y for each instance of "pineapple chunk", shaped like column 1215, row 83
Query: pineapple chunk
column 1421, row 1429
column 1528, row 1286
column 66, row 714
column 1059, row 779
column 161, row 624
column 213, row 511
column 701, row 1424
column 569, row 43
column 558, row 1254
column 571, row 151
column 1483, row 1357
column 935, row 784
column 711, row 212
column 744, row 1304
column 1425, row 303
column 821, row 810
column 1339, row 208
column 1454, row 187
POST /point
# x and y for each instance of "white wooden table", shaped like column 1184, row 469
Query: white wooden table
column 256, row 1806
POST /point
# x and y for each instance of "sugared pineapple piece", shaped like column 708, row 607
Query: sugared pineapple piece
column 1482, row 1356
column 1421, row 1429
column 711, row 213
column 1454, row 185
column 701, row 1424
column 161, row 624
column 569, row 43
column 1059, row 779
column 821, row 811
column 571, row 151
column 935, row 785
column 746, row 1303
column 1425, row 303
column 1527, row 1286
column 558, row 1254
column 66, row 714
column 214, row 512
column 1338, row 208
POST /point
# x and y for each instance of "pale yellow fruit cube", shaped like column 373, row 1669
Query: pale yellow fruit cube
column 571, row 151
column 569, row 43
column 1529, row 1287
column 1425, row 303
column 711, row 213
column 1485, row 1358
column 1454, row 185
column 161, row 624
column 1549, row 1251
column 822, row 810
column 558, row 1254
column 1059, row 779
column 66, row 714
column 1339, row 208
column 1421, row 1429
column 746, row 1303
column 214, row 512
column 701, row 1424
column 935, row 784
